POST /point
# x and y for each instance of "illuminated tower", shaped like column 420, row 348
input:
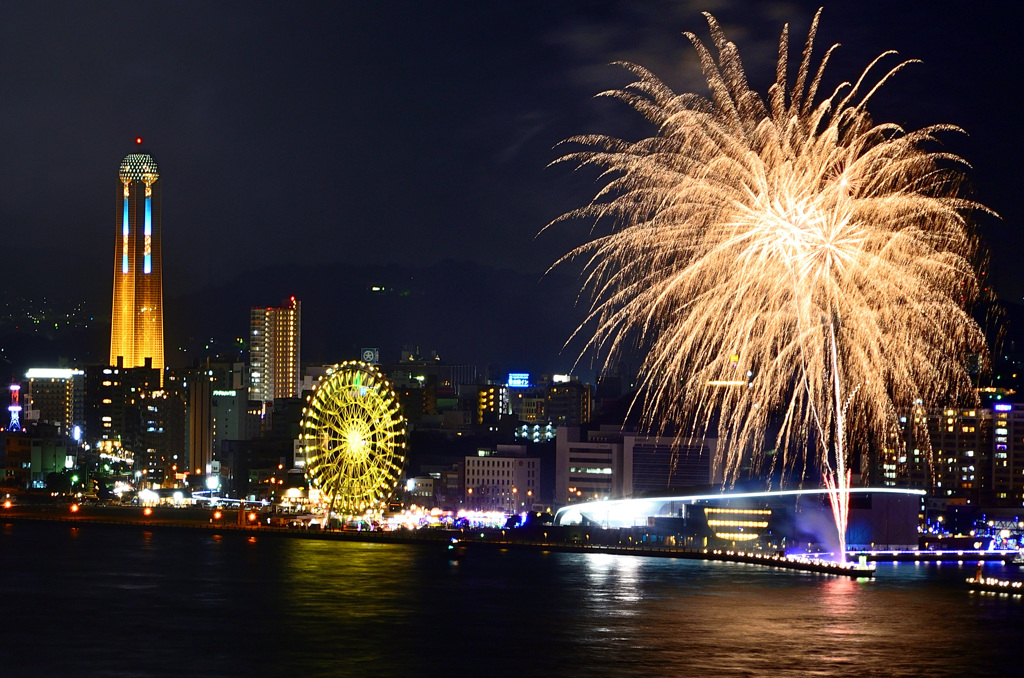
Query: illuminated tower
column 137, row 316
column 274, row 335
column 15, row 409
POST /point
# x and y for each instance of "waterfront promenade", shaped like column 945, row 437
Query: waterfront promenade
column 467, row 540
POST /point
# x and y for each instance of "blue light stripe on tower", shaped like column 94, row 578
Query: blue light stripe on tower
column 124, row 234
column 147, row 266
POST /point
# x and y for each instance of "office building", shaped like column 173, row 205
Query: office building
column 274, row 341
column 112, row 399
column 610, row 463
column 55, row 396
column 502, row 480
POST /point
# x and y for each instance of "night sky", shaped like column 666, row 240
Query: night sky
column 411, row 133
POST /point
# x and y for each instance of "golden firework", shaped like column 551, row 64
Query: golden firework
column 822, row 258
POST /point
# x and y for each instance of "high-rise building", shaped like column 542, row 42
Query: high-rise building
column 137, row 314
column 567, row 403
column 274, row 338
column 55, row 396
column 113, row 405
column 200, row 436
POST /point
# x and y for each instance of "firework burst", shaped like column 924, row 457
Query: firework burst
column 820, row 260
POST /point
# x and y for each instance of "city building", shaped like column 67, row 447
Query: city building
column 609, row 463
column 659, row 465
column 136, row 320
column 1007, row 457
column 961, row 456
column 567, row 403
column 200, row 426
column 589, row 468
column 421, row 490
column 961, row 442
column 48, row 455
column 113, row 398
column 161, row 453
column 255, row 469
column 55, row 396
column 15, row 458
column 274, row 349
column 129, row 418
column 504, row 479
column 492, row 404
column 230, row 417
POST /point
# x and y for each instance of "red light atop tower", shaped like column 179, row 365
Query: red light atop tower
column 138, row 140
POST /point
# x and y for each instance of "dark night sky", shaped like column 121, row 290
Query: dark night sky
column 309, row 133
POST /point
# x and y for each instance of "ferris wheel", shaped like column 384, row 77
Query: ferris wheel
column 353, row 433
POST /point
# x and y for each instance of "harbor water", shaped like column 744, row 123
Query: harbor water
column 123, row 601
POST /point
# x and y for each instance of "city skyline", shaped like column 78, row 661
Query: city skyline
column 787, row 330
column 437, row 169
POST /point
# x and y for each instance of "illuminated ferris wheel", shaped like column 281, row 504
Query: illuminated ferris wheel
column 353, row 433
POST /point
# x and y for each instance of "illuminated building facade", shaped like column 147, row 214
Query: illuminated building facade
column 1008, row 454
column 961, row 441
column 502, row 480
column 274, row 341
column 492, row 404
column 117, row 414
column 55, row 397
column 568, row 403
column 610, row 463
column 948, row 452
column 137, row 314
column 589, row 468
column 880, row 517
column 160, row 454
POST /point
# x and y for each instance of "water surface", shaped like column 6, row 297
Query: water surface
column 96, row 600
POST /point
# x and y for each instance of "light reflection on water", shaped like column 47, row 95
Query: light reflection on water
column 120, row 602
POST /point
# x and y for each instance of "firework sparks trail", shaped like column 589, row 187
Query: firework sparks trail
column 799, row 246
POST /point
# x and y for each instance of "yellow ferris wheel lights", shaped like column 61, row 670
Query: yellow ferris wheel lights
column 356, row 430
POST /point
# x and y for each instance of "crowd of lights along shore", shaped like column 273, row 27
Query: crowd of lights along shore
column 784, row 257
column 354, row 435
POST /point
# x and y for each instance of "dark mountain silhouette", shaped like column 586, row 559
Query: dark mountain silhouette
column 467, row 313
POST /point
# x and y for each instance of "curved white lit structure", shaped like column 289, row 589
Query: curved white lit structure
column 632, row 512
